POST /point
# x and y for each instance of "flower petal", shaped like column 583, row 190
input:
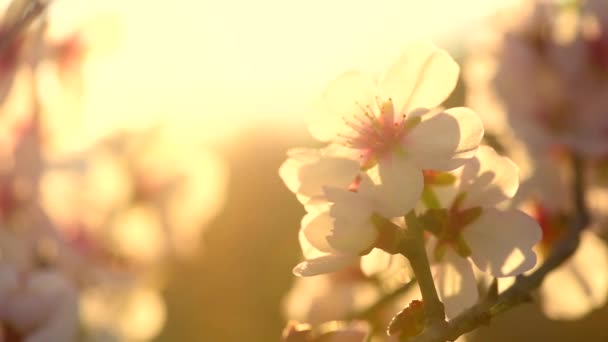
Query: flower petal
column 306, row 171
column 341, row 99
column 352, row 237
column 324, row 264
column 400, row 187
column 423, row 77
column 326, row 172
column 316, row 227
column 456, row 283
column 501, row 241
column 488, row 179
column 444, row 140
column 581, row 284
column 297, row 157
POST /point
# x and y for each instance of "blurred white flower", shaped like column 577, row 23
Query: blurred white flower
column 38, row 305
column 539, row 73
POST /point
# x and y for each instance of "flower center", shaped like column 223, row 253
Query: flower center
column 376, row 131
column 449, row 232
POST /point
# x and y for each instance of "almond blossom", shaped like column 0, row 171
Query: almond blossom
column 396, row 117
column 396, row 130
column 471, row 227
column 344, row 229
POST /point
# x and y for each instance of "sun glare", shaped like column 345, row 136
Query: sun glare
column 212, row 65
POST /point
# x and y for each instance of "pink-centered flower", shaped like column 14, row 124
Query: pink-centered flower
column 471, row 228
column 396, row 117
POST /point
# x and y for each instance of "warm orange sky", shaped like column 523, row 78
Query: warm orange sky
column 215, row 64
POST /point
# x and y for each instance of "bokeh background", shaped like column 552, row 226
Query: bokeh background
column 232, row 82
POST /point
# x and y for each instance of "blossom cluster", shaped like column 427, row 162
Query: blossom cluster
column 86, row 232
column 394, row 152
column 538, row 78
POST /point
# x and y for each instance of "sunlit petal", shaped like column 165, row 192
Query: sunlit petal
column 400, row 188
column 444, row 140
column 501, row 241
column 324, row 264
column 342, row 99
column 489, row 179
column 456, row 283
column 423, row 77
column 316, row 228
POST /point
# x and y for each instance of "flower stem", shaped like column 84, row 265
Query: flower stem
column 413, row 248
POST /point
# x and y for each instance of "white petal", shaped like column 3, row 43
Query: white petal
column 353, row 231
column 489, row 179
column 308, row 251
column 580, row 284
column 456, row 284
column 306, row 171
column 423, row 77
column 349, row 205
column 326, row 172
column 316, row 228
column 297, row 157
column 341, row 99
column 325, row 264
column 501, row 241
column 400, row 188
column 444, row 140
column 352, row 237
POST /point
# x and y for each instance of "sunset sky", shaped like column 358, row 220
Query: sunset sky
column 213, row 65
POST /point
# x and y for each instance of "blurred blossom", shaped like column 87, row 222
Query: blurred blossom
column 541, row 69
column 329, row 297
column 146, row 196
column 86, row 232
column 580, row 284
column 357, row 331
column 131, row 313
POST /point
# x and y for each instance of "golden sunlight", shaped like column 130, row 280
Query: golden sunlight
column 212, row 65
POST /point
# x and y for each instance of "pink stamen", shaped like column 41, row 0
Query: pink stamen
column 375, row 131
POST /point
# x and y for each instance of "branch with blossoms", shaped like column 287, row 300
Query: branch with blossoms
column 403, row 177
column 520, row 291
